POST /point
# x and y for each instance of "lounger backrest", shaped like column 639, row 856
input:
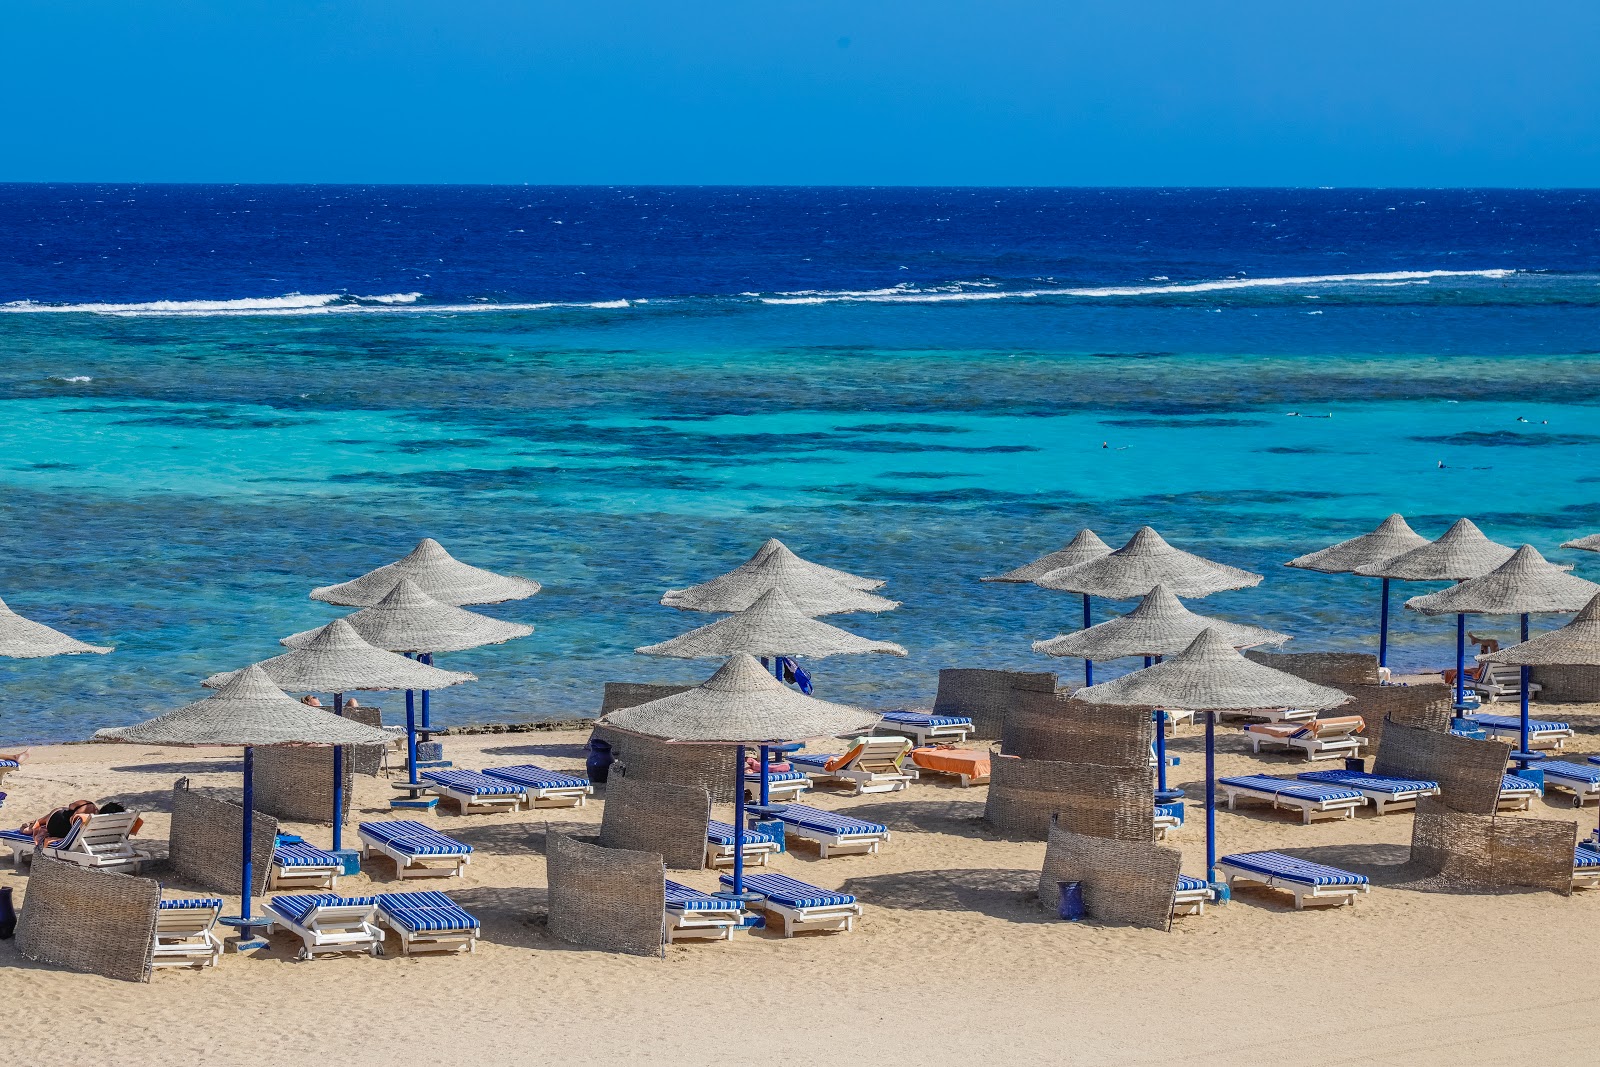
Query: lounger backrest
column 191, row 920
column 101, row 835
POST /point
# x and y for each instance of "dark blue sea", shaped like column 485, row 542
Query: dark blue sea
column 218, row 397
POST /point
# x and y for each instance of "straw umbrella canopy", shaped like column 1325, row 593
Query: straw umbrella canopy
column 1393, row 537
column 1209, row 676
column 772, row 626
column 437, row 573
column 1159, row 626
column 245, row 712
column 1590, row 543
column 854, row 581
column 1577, row 644
column 1081, row 549
column 807, row 585
column 25, row 639
column 1461, row 552
column 741, row 704
column 337, row 661
column 1524, row 584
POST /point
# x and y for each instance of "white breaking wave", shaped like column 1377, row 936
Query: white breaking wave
column 942, row 294
column 291, row 304
column 74, row 378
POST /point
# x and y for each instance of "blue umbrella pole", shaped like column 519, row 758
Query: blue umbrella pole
column 427, row 720
column 1383, row 628
column 1161, row 751
column 1524, row 752
column 1088, row 621
column 411, row 734
column 1461, row 664
column 738, row 823
column 765, row 761
column 338, row 781
column 1211, row 797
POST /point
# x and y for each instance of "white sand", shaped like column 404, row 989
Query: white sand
column 954, row 961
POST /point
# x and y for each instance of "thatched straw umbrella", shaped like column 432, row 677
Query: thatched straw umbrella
column 1392, row 537
column 812, row 588
column 1590, row 543
column 1461, row 552
column 772, row 546
column 1145, row 562
column 407, row 620
column 246, row 712
column 437, row 573
column 1524, row 584
column 338, row 661
column 1210, row 676
column 739, row 705
column 774, row 627
column 25, row 639
column 1081, row 549
column 1159, row 626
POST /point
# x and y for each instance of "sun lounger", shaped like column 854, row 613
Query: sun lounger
column 1192, row 896
column 1386, row 792
column 1496, row 680
column 326, row 922
column 833, row 832
column 1317, row 738
column 800, row 907
column 693, row 914
column 297, row 865
column 1168, row 817
column 719, row 845
column 186, row 934
column 100, row 842
column 428, row 922
column 7, row 766
column 924, row 727
column 545, row 788
column 873, row 765
column 1586, row 869
column 476, row 792
column 1542, row 733
column 1516, row 794
column 1582, row 780
column 1312, row 799
column 1313, row 883
column 781, row 785
column 970, row 766
column 418, row 851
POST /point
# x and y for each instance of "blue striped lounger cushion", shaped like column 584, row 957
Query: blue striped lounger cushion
column 472, row 782
column 16, row 835
column 1289, row 868
column 1514, row 722
column 533, row 776
column 300, row 854
column 300, row 906
column 832, row 822
column 1186, row 884
column 425, row 913
column 1173, row 810
column 9, row 764
column 1585, row 858
column 776, row 776
column 790, row 892
column 1592, row 759
column 721, row 833
column 682, row 898
column 415, row 838
column 922, row 718
column 1578, row 772
column 816, row 760
column 1378, row 783
column 190, row 904
column 1289, row 787
column 1511, row 781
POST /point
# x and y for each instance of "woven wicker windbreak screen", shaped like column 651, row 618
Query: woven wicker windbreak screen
column 1468, row 772
column 1426, row 707
column 1053, row 726
column 1087, row 798
column 296, row 782
column 90, row 921
column 1491, row 851
column 606, row 898
column 984, row 695
column 206, row 843
column 1123, row 881
column 711, row 767
column 657, row 817
column 1338, row 669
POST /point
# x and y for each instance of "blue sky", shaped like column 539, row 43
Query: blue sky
column 934, row 92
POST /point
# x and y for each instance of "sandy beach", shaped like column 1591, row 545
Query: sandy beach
column 953, row 962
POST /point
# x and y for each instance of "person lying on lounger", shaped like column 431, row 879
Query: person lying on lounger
column 58, row 824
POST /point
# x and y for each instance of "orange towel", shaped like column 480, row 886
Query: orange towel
column 843, row 761
column 1337, row 723
column 952, row 761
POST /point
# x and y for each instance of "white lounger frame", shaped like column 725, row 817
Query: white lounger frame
column 777, row 792
column 431, row 940
column 1586, row 878
column 719, row 856
column 1501, row 680
column 1314, row 747
column 410, row 865
column 1582, row 792
column 1516, row 799
column 791, row 921
column 877, row 769
column 335, row 928
column 1309, row 809
column 922, row 735
column 830, row 843
column 186, row 937
column 1191, row 901
column 1384, row 800
column 557, row 796
column 1320, row 895
column 101, row 843
column 1163, row 823
column 1539, row 740
column 472, row 803
column 689, row 924
column 304, row 877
